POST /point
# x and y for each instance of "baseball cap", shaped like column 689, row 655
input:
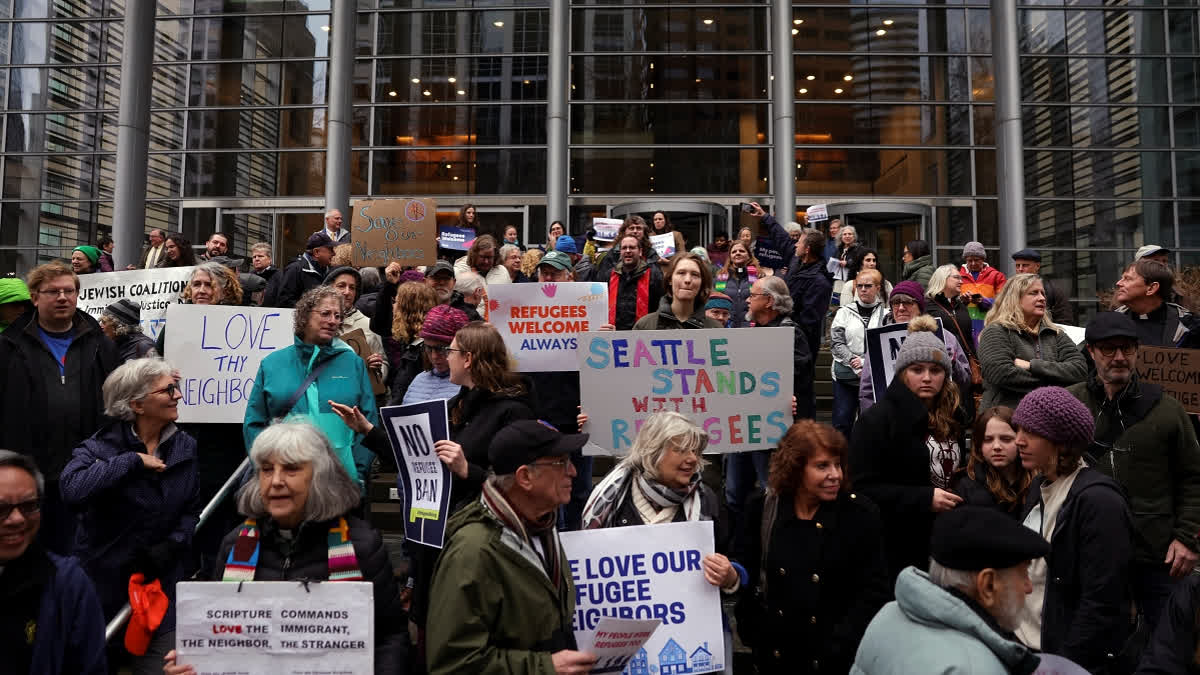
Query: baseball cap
column 526, row 441
column 439, row 266
column 557, row 259
column 1150, row 249
column 317, row 240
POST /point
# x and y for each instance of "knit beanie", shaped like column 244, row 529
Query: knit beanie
column 1057, row 416
column 912, row 289
column 442, row 323
column 719, row 301
column 922, row 347
column 126, row 311
column 974, row 248
column 92, row 253
column 411, row 275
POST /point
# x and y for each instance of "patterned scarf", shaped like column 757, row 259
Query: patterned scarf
column 720, row 282
column 606, row 497
column 546, row 530
column 243, row 557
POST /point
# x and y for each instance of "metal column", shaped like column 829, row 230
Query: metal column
column 338, row 117
column 133, row 133
column 556, row 120
column 783, row 178
column 1010, row 165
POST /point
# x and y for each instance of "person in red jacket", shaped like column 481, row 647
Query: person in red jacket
column 981, row 283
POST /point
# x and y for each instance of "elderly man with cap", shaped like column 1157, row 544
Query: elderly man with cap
column 503, row 599
column 958, row 618
column 1029, row 261
column 1145, row 441
column 301, row 275
column 719, row 307
column 1154, row 252
column 981, row 283
column 122, row 323
column 906, row 301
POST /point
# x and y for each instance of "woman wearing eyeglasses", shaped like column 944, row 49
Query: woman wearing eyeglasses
column 135, row 483
column 848, row 340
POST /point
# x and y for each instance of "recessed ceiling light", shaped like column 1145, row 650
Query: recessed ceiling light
column 797, row 22
column 427, row 92
column 697, row 80
column 448, row 166
column 498, row 24
column 708, row 22
column 888, row 22
column 391, row 93
column 456, row 178
column 795, row 31
column 462, row 92
column 803, row 90
column 881, row 32
column 452, row 80
column 525, row 81
column 416, row 80
column 810, row 78
column 651, row 165
column 838, row 90
column 847, row 77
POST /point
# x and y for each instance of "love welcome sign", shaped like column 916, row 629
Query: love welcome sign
column 541, row 323
column 394, row 230
column 217, row 349
column 735, row 383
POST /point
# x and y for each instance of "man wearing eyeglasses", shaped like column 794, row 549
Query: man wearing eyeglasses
column 502, row 587
column 52, row 621
column 1145, row 441
column 53, row 363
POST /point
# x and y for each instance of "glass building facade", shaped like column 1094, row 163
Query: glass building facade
column 670, row 106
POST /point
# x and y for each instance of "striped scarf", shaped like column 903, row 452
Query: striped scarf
column 545, row 531
column 243, row 557
column 720, row 282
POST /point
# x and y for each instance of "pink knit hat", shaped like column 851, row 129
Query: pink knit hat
column 442, row 323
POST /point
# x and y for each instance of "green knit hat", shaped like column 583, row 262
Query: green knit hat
column 92, row 253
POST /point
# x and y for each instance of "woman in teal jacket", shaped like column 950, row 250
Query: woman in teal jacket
column 341, row 377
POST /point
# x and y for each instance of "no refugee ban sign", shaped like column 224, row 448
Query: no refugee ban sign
column 735, row 383
column 217, row 349
column 276, row 627
column 541, row 323
column 423, row 480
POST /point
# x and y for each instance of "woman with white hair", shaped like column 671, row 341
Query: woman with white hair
column 135, row 483
column 299, row 526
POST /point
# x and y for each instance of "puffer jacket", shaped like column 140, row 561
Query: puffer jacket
column 848, row 337
column 430, row 386
column 1053, row 360
column 928, row 629
column 497, row 610
column 919, row 270
column 1145, row 441
column 665, row 319
column 306, row 557
column 130, row 512
column 736, row 283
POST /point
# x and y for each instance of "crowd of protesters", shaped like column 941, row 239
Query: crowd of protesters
column 1010, row 493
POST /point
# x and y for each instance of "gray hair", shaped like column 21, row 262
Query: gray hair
column 468, row 282
column 937, row 281
column 26, row 464
column 132, row 381
column 658, row 433
column 848, row 228
column 119, row 328
column 332, row 492
column 218, row 273
column 371, row 280
column 776, row 288
column 793, row 227
column 330, row 212
column 260, row 246
column 308, row 303
column 944, row 577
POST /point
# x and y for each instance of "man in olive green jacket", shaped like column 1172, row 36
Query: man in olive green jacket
column 1145, row 441
column 503, row 598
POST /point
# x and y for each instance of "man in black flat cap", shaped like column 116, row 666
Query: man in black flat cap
column 1029, row 261
column 960, row 616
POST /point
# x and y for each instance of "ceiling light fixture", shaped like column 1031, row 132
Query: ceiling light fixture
column 810, row 78
column 888, row 22
column 452, row 80
column 838, row 90
column 498, row 24
column 462, row 92
column 427, row 92
column 797, row 22
column 392, row 93
column 795, row 31
column 416, row 80
column 708, row 22
column 803, row 90
column 881, row 32
column 847, row 77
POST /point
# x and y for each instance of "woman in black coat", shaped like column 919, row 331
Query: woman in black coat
column 943, row 300
column 813, row 552
column 906, row 447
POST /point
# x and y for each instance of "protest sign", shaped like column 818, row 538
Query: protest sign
column 664, row 244
column 217, row 349
column 399, row 230
column 1076, row 333
column 276, row 627
column 735, row 383
column 816, row 213
column 455, row 238
column 607, row 228
column 650, row 572
column 424, row 481
column 616, row 642
column 541, row 323
column 1177, row 371
column 767, row 254
column 883, row 344
column 152, row 289
column 357, row 340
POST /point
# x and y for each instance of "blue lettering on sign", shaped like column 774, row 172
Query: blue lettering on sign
column 238, row 329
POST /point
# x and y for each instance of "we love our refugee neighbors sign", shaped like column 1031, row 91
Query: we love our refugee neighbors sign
column 735, row 383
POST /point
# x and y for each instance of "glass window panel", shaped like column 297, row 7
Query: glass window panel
column 1189, row 224
column 464, row 32
column 1185, row 80
column 53, row 132
column 486, row 78
column 983, row 80
column 304, row 82
column 235, row 84
column 954, row 224
column 255, row 174
column 1097, row 173
column 882, row 77
column 23, row 177
column 1115, row 32
column 674, row 29
column 362, row 81
column 364, row 34
column 255, row 129
column 166, row 89
column 985, row 124
column 46, row 88
column 470, row 172
column 1187, row 166
column 242, row 37
column 709, row 171
column 1187, row 127
column 1042, row 31
column 1183, row 31
column 883, row 171
column 1093, row 80
column 979, row 30
column 668, row 76
column 234, row 6
column 460, row 125
column 733, row 123
column 986, row 222
column 879, row 124
column 985, row 172
column 162, row 175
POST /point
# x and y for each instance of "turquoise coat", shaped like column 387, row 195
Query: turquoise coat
column 345, row 380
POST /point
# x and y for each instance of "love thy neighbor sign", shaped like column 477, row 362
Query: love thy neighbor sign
column 394, row 230
column 735, row 383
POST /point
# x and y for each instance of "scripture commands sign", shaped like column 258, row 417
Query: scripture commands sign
column 394, row 230
column 541, row 323
column 735, row 383
column 276, row 627
column 153, row 290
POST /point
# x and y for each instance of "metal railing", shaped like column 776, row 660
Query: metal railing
column 118, row 622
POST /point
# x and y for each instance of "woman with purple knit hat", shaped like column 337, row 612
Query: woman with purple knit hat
column 1080, row 605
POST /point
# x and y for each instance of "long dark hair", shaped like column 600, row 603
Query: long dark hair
column 918, row 248
column 187, row 257
column 856, row 265
column 1010, row 497
column 491, row 367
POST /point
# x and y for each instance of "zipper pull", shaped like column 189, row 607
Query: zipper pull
column 63, row 378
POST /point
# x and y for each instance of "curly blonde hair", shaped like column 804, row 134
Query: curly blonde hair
column 413, row 301
column 529, row 262
column 343, row 256
column 1007, row 309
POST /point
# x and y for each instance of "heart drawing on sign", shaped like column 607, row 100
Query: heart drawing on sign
column 550, row 290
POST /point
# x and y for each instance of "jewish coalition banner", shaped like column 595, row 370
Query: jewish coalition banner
column 423, row 480
column 541, row 323
column 650, row 572
column 736, row 383
column 217, row 349
column 883, row 346
column 153, row 289
column 276, row 627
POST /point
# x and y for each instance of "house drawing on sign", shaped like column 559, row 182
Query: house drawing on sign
column 701, row 658
column 672, row 659
column 639, row 664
